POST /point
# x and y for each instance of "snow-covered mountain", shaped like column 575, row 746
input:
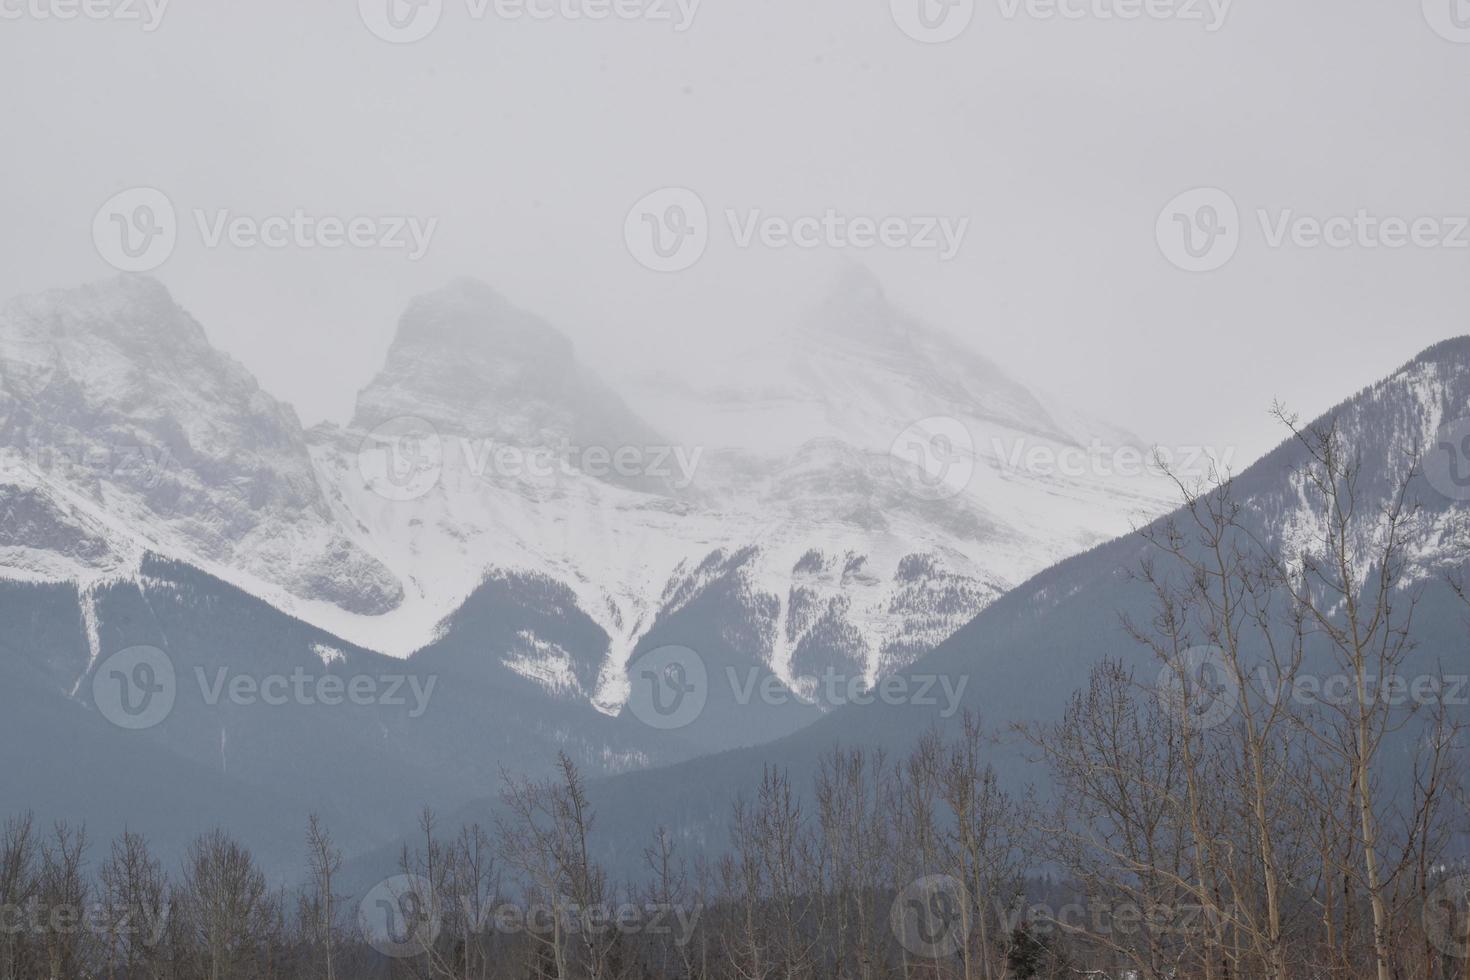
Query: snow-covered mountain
column 838, row 551
column 122, row 429
column 1026, row 655
column 845, row 515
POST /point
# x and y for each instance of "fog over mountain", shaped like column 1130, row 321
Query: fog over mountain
column 156, row 498
column 1028, row 654
column 759, row 490
column 529, row 602
column 530, row 140
column 836, row 556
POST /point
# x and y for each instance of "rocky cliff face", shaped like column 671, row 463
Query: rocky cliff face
column 114, row 404
column 875, row 507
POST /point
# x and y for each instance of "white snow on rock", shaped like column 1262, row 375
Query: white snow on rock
column 842, row 545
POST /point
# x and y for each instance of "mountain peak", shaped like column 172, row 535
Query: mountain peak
column 471, row 362
column 862, row 354
column 138, row 293
column 856, row 308
column 856, row 279
column 112, row 395
column 136, row 288
column 132, row 311
column 467, row 314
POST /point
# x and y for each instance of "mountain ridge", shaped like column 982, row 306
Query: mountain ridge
column 620, row 543
column 1028, row 651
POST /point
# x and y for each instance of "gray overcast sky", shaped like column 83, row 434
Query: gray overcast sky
column 1061, row 140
